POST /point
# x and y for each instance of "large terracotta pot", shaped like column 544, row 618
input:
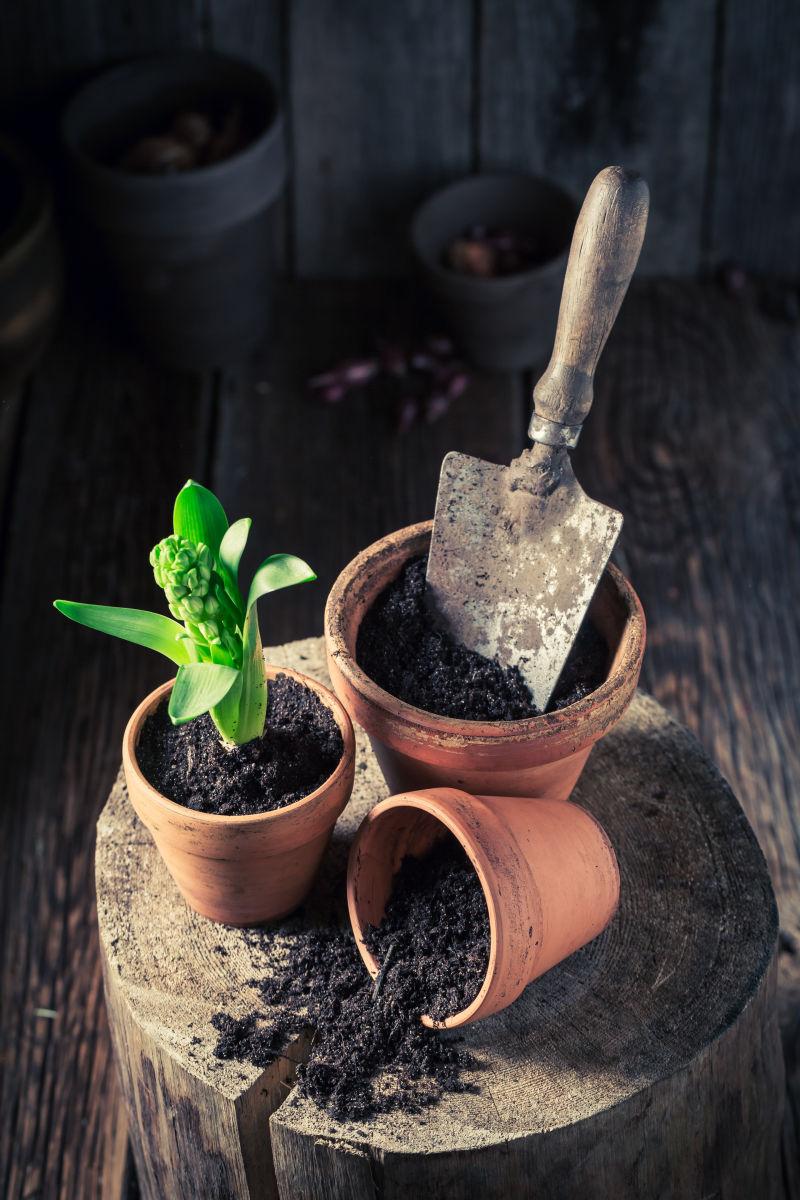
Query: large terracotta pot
column 540, row 756
column 548, row 872
column 249, row 869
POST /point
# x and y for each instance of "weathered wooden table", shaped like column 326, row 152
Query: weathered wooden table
column 92, row 454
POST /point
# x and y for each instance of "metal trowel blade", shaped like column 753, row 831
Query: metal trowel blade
column 512, row 572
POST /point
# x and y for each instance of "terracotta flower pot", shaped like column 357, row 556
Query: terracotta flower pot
column 540, row 756
column 548, row 872
column 248, row 869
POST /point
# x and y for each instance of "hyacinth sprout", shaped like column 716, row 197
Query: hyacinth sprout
column 213, row 635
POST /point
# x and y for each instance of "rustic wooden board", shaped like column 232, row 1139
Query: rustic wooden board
column 635, row 1067
column 387, row 100
column 380, row 98
column 91, row 483
column 569, row 88
column 756, row 146
column 248, row 30
column 694, row 428
column 47, row 46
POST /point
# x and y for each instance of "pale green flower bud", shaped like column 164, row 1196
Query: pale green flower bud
column 210, row 631
column 195, row 593
column 194, row 606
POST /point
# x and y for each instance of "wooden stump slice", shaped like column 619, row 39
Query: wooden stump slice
column 647, row 1065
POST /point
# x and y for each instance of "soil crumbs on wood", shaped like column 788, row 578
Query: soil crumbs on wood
column 405, row 651
column 370, row 1053
column 301, row 747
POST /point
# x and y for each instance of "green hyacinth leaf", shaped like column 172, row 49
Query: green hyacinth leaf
column 232, row 547
column 253, row 702
column 242, row 714
column 198, row 688
column 278, row 571
column 136, row 625
column 225, row 715
column 199, row 517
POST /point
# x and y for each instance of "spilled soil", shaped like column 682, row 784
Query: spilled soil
column 370, row 1053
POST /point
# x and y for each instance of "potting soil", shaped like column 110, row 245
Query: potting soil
column 404, row 649
column 300, row 748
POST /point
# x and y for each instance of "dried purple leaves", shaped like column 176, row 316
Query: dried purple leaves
column 417, row 382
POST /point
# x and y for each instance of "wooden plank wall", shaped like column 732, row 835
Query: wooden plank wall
column 386, row 100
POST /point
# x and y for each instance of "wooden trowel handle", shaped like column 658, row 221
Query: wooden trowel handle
column 605, row 247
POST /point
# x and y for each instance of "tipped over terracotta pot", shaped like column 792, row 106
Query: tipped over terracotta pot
column 548, row 872
column 539, row 756
column 242, row 870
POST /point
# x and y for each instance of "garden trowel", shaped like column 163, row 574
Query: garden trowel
column 517, row 552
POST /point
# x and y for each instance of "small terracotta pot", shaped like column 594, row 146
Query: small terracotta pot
column 249, row 869
column 540, row 756
column 548, row 872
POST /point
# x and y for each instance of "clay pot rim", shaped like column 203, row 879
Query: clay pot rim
column 242, row 820
column 423, row 801
column 545, row 726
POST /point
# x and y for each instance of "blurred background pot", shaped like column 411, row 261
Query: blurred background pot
column 192, row 251
column 504, row 322
column 538, row 756
column 30, row 264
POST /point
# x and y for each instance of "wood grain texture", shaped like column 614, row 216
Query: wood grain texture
column 249, row 30
column 87, row 502
column 380, row 99
column 695, row 436
column 757, row 143
column 389, row 100
column 323, row 481
column 568, row 88
column 631, row 1069
column 255, row 30
column 47, row 46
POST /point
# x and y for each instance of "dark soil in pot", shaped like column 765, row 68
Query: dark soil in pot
column 407, row 653
column 189, row 764
column 436, row 927
column 370, row 1052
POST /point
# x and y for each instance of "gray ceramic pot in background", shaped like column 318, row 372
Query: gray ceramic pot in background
column 192, row 253
column 508, row 322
